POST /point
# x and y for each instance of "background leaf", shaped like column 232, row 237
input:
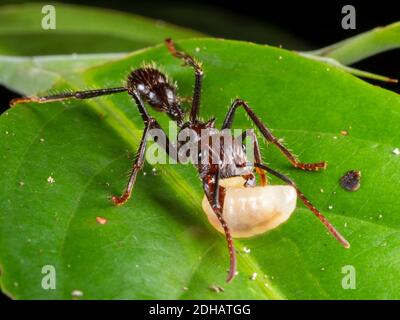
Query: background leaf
column 357, row 48
column 160, row 242
column 80, row 29
column 364, row 45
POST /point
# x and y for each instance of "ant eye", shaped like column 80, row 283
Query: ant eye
column 249, row 211
column 170, row 96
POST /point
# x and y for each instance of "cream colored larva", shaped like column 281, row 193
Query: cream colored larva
column 253, row 210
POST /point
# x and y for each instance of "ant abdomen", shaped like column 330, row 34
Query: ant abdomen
column 155, row 89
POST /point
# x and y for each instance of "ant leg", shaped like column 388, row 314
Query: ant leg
column 137, row 166
column 198, row 71
column 150, row 123
column 216, row 195
column 69, row 95
column 307, row 202
column 269, row 136
column 257, row 153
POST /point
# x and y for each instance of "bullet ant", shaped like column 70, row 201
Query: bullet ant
column 220, row 180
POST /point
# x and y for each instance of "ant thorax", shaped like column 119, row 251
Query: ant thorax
column 210, row 147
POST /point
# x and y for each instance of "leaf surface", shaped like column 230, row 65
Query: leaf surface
column 160, row 243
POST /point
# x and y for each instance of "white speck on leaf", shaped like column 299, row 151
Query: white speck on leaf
column 41, row 140
column 330, row 207
column 253, row 276
column 246, row 250
column 50, row 179
column 396, row 151
column 76, row 293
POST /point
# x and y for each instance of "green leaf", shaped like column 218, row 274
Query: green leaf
column 364, row 45
column 359, row 47
column 160, row 242
column 79, row 30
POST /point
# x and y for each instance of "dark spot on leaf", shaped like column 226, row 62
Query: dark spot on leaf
column 351, row 180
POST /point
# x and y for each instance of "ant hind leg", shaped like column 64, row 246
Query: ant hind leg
column 215, row 195
column 308, row 204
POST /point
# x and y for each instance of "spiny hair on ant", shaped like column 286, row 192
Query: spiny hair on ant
column 233, row 202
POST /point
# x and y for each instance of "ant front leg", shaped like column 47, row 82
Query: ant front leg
column 137, row 166
column 69, row 95
column 198, row 71
column 307, row 202
column 215, row 195
column 269, row 136
column 150, row 123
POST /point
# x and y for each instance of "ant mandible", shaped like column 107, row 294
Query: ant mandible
column 147, row 84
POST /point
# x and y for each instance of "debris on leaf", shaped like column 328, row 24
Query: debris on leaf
column 351, row 180
column 216, row 288
column 253, row 276
column 76, row 294
column 101, row 220
column 396, row 151
column 344, row 133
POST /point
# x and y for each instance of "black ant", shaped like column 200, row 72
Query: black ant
column 147, row 84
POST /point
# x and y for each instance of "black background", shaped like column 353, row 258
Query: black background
column 314, row 23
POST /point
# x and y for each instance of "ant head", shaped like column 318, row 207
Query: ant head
column 155, row 88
